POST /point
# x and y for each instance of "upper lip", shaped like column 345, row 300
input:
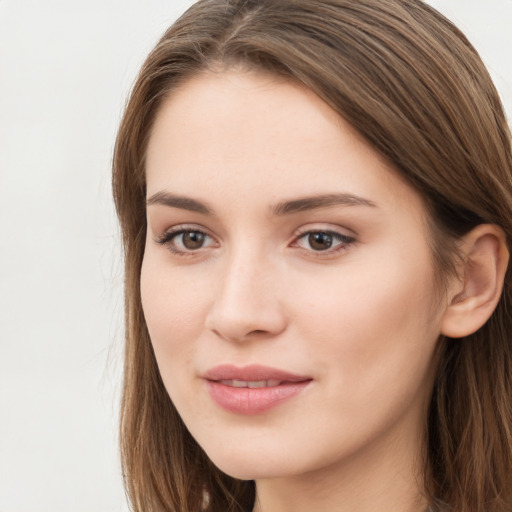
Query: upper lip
column 253, row 372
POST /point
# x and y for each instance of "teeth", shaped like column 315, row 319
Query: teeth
column 251, row 383
column 258, row 384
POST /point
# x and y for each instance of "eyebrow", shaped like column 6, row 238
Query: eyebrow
column 280, row 209
column 320, row 201
column 181, row 202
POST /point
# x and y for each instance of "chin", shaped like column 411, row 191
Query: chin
column 245, row 471
column 254, row 465
column 242, row 467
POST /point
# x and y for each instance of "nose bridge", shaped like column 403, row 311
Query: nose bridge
column 247, row 299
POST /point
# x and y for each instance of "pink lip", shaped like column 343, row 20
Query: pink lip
column 245, row 400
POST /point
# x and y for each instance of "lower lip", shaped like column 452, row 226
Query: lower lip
column 253, row 400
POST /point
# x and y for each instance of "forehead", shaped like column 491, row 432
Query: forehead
column 234, row 113
column 245, row 133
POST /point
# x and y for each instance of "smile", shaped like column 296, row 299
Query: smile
column 250, row 384
column 252, row 389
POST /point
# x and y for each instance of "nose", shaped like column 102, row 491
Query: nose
column 248, row 301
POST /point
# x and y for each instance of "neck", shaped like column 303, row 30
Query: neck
column 379, row 478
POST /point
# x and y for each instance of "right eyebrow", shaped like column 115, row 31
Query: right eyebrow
column 182, row 202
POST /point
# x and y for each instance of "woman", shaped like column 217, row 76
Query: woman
column 316, row 204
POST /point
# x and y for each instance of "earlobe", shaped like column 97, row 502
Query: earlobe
column 475, row 295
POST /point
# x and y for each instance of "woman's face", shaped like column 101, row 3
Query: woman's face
column 287, row 281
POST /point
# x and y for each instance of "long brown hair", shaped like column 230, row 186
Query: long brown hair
column 417, row 91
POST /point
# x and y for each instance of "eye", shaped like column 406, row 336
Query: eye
column 323, row 241
column 191, row 239
column 182, row 241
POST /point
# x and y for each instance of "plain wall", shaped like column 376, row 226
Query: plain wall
column 65, row 71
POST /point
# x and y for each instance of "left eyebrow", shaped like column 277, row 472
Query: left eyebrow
column 321, row 201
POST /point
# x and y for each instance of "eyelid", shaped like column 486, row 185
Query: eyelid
column 345, row 236
column 318, row 227
column 169, row 234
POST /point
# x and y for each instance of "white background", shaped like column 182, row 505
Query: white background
column 65, row 71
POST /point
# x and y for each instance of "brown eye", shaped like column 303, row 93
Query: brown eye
column 192, row 240
column 186, row 241
column 328, row 242
column 319, row 241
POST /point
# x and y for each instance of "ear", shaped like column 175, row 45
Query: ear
column 475, row 295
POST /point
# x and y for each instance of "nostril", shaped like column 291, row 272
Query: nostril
column 257, row 331
column 235, row 319
column 239, row 336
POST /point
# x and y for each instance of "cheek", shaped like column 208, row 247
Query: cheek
column 377, row 323
column 175, row 305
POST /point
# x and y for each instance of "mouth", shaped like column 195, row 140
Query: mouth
column 253, row 384
column 252, row 389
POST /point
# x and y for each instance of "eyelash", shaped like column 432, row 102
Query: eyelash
column 343, row 241
column 167, row 239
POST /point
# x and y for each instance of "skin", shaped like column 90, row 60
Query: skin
column 361, row 319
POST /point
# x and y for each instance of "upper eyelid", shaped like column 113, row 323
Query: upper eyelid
column 298, row 233
column 336, row 234
column 179, row 228
column 325, row 228
column 166, row 239
column 328, row 231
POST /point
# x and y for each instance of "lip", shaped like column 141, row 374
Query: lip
column 283, row 385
